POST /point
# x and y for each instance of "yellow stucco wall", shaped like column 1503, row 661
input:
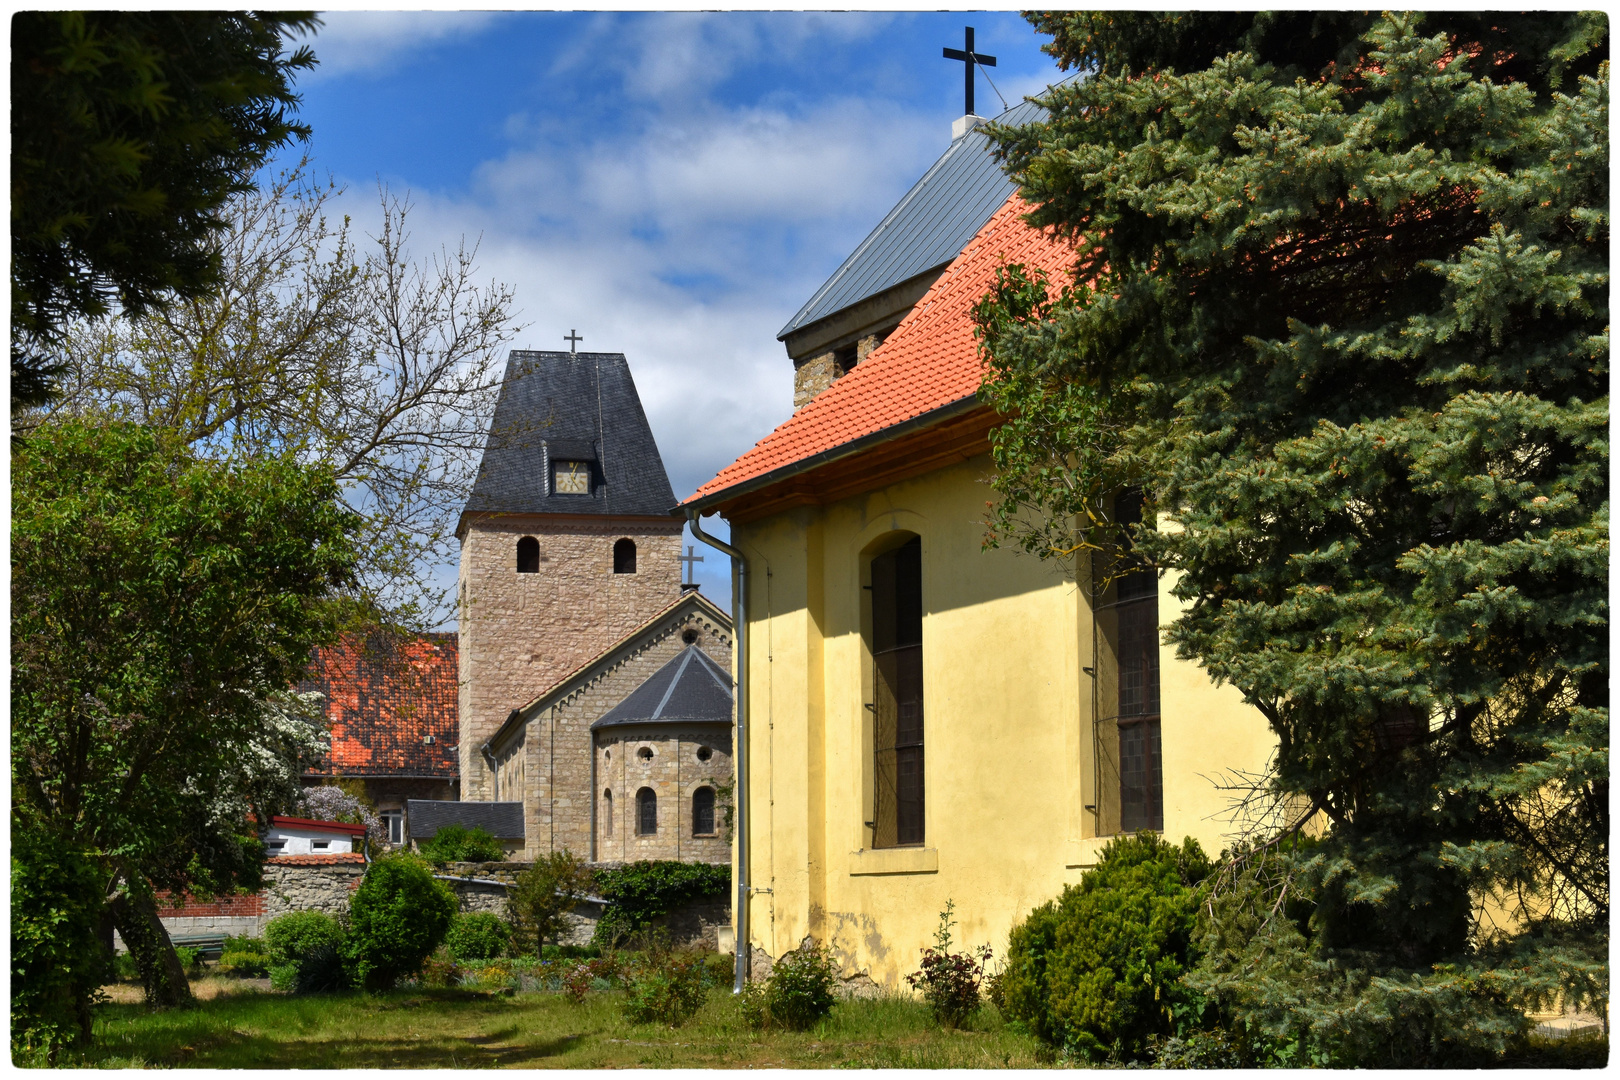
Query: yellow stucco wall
column 1008, row 747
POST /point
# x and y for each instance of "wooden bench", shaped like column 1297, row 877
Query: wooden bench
column 208, row 946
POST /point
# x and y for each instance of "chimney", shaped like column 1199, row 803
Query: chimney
column 964, row 124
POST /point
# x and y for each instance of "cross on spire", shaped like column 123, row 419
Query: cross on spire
column 969, row 58
column 573, row 339
column 689, row 559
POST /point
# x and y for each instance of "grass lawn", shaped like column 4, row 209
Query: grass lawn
column 239, row 1026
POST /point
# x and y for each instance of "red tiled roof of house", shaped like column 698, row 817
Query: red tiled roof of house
column 391, row 705
column 929, row 361
column 312, row 825
column 316, row 860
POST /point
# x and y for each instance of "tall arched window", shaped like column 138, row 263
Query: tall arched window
column 646, row 812
column 703, row 812
column 528, row 553
column 624, row 556
column 897, row 651
column 607, row 812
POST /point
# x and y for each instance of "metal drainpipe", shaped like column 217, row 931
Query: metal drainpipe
column 739, row 618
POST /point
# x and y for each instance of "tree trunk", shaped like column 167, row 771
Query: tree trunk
column 134, row 912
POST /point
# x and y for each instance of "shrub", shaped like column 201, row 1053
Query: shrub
column 397, row 917
column 798, row 993
column 950, row 981
column 596, row 974
column 322, row 971
column 457, row 843
column 439, row 970
column 188, row 957
column 57, row 965
column 665, row 987
column 293, row 936
column 478, row 936
column 284, row 977
column 541, row 898
column 1098, row 970
column 639, row 892
column 245, row 965
column 245, row 957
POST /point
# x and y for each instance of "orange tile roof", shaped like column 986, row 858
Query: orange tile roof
column 929, row 361
column 333, row 859
column 384, row 698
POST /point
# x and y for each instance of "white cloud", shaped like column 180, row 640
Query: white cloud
column 356, row 42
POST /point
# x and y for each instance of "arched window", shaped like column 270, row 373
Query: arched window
column 528, row 555
column 897, row 723
column 624, row 556
column 646, row 812
column 703, row 812
column 607, row 812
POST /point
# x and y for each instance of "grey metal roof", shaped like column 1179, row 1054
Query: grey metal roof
column 563, row 406
column 691, row 688
column 926, row 229
column 425, row 817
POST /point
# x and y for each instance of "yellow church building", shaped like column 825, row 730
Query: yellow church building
column 922, row 720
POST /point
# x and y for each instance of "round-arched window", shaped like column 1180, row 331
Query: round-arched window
column 528, row 555
column 646, row 812
column 703, row 812
column 624, row 556
column 607, row 812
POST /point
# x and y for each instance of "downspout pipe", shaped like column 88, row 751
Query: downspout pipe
column 739, row 621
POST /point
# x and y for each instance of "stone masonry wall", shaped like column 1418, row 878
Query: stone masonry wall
column 521, row 633
column 674, row 772
column 557, row 782
column 820, row 371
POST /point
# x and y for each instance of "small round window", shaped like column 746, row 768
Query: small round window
column 645, row 753
column 705, row 753
column 689, row 636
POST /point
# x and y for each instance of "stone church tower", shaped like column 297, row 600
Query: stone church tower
column 567, row 543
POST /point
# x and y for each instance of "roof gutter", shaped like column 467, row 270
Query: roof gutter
column 826, row 457
column 739, row 621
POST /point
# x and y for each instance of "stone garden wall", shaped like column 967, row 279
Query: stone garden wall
column 325, row 882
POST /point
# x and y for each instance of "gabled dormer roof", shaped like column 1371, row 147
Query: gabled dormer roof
column 570, row 407
column 689, row 689
column 926, row 229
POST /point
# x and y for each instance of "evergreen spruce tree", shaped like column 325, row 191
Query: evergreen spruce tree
column 1341, row 311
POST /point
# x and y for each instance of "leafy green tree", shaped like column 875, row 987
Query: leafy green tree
column 130, row 130
column 161, row 605
column 1341, row 310
column 543, row 897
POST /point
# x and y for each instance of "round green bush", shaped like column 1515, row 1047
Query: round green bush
column 397, row 917
column 799, row 991
column 295, row 935
column 457, row 843
column 1098, row 970
column 478, row 936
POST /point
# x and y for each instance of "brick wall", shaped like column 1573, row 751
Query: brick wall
column 521, row 633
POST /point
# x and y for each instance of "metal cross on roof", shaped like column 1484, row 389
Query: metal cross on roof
column 689, row 559
column 573, row 339
column 969, row 58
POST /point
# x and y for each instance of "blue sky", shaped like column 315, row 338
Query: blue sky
column 674, row 185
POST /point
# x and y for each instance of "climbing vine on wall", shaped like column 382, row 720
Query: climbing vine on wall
column 639, row 892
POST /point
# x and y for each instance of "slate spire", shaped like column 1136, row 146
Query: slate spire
column 570, row 408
